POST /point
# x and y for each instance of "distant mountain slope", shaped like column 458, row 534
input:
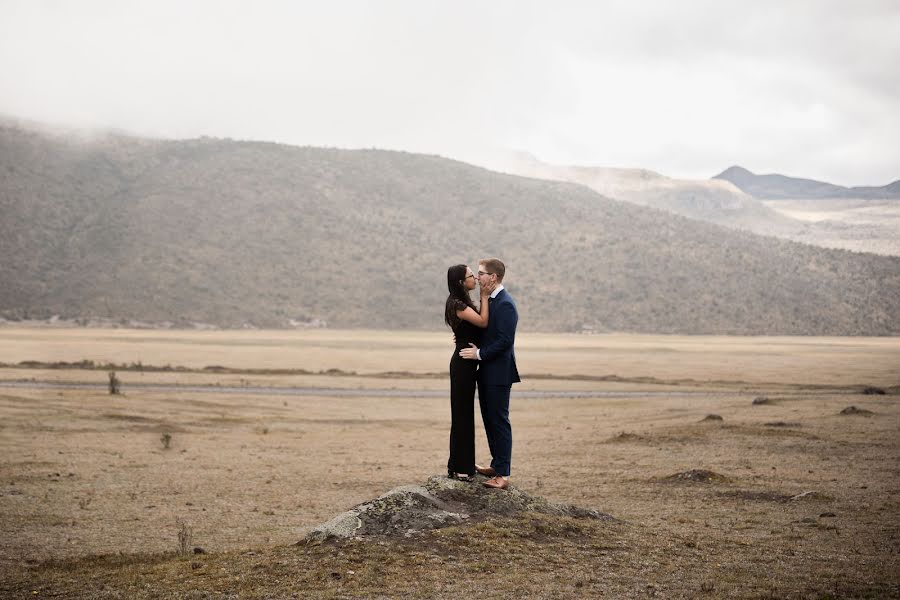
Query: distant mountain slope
column 229, row 232
column 777, row 187
column 715, row 201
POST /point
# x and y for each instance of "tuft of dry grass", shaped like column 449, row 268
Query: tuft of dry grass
column 185, row 538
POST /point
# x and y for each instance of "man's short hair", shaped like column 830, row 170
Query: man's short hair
column 494, row 265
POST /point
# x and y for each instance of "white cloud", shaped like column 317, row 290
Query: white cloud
column 686, row 88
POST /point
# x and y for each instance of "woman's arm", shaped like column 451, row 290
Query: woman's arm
column 479, row 319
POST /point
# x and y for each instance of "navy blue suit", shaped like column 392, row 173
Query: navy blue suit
column 496, row 373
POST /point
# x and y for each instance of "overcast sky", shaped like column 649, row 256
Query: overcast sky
column 686, row 88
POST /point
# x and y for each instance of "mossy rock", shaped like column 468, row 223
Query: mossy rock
column 440, row 502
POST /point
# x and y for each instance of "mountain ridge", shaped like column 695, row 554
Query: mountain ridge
column 774, row 186
column 232, row 233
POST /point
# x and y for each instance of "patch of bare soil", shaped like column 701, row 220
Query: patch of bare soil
column 772, row 429
column 756, row 496
column 712, row 418
column 873, row 391
column 698, row 476
column 626, row 437
column 852, row 410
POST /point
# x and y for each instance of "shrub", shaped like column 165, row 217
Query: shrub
column 114, row 383
column 185, row 537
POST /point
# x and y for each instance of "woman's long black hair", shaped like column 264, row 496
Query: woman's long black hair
column 456, row 283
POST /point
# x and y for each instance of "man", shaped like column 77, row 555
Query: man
column 496, row 372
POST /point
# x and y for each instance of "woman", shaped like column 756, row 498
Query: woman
column 466, row 322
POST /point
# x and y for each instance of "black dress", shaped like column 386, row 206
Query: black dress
column 462, row 400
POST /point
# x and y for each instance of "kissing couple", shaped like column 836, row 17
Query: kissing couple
column 485, row 359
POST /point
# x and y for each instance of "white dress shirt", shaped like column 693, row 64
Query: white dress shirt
column 493, row 295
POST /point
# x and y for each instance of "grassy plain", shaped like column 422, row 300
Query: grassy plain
column 90, row 498
column 839, row 361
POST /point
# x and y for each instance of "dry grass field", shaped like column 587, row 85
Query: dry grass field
column 803, row 501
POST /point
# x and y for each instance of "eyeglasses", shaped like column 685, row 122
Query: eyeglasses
column 470, row 275
column 480, row 273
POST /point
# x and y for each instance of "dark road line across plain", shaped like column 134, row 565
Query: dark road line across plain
column 357, row 392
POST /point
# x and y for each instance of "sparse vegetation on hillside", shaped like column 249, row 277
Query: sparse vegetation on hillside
column 236, row 233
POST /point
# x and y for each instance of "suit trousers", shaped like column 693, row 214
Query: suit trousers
column 494, row 402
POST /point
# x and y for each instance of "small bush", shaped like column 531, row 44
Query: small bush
column 185, row 538
column 114, row 383
column 166, row 440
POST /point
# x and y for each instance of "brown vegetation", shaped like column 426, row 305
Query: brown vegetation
column 237, row 233
column 91, row 504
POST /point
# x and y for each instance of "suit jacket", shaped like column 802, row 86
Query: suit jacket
column 498, row 357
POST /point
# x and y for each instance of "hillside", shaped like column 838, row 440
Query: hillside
column 233, row 233
column 781, row 187
column 712, row 200
column 846, row 226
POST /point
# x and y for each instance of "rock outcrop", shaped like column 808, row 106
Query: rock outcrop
column 440, row 502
